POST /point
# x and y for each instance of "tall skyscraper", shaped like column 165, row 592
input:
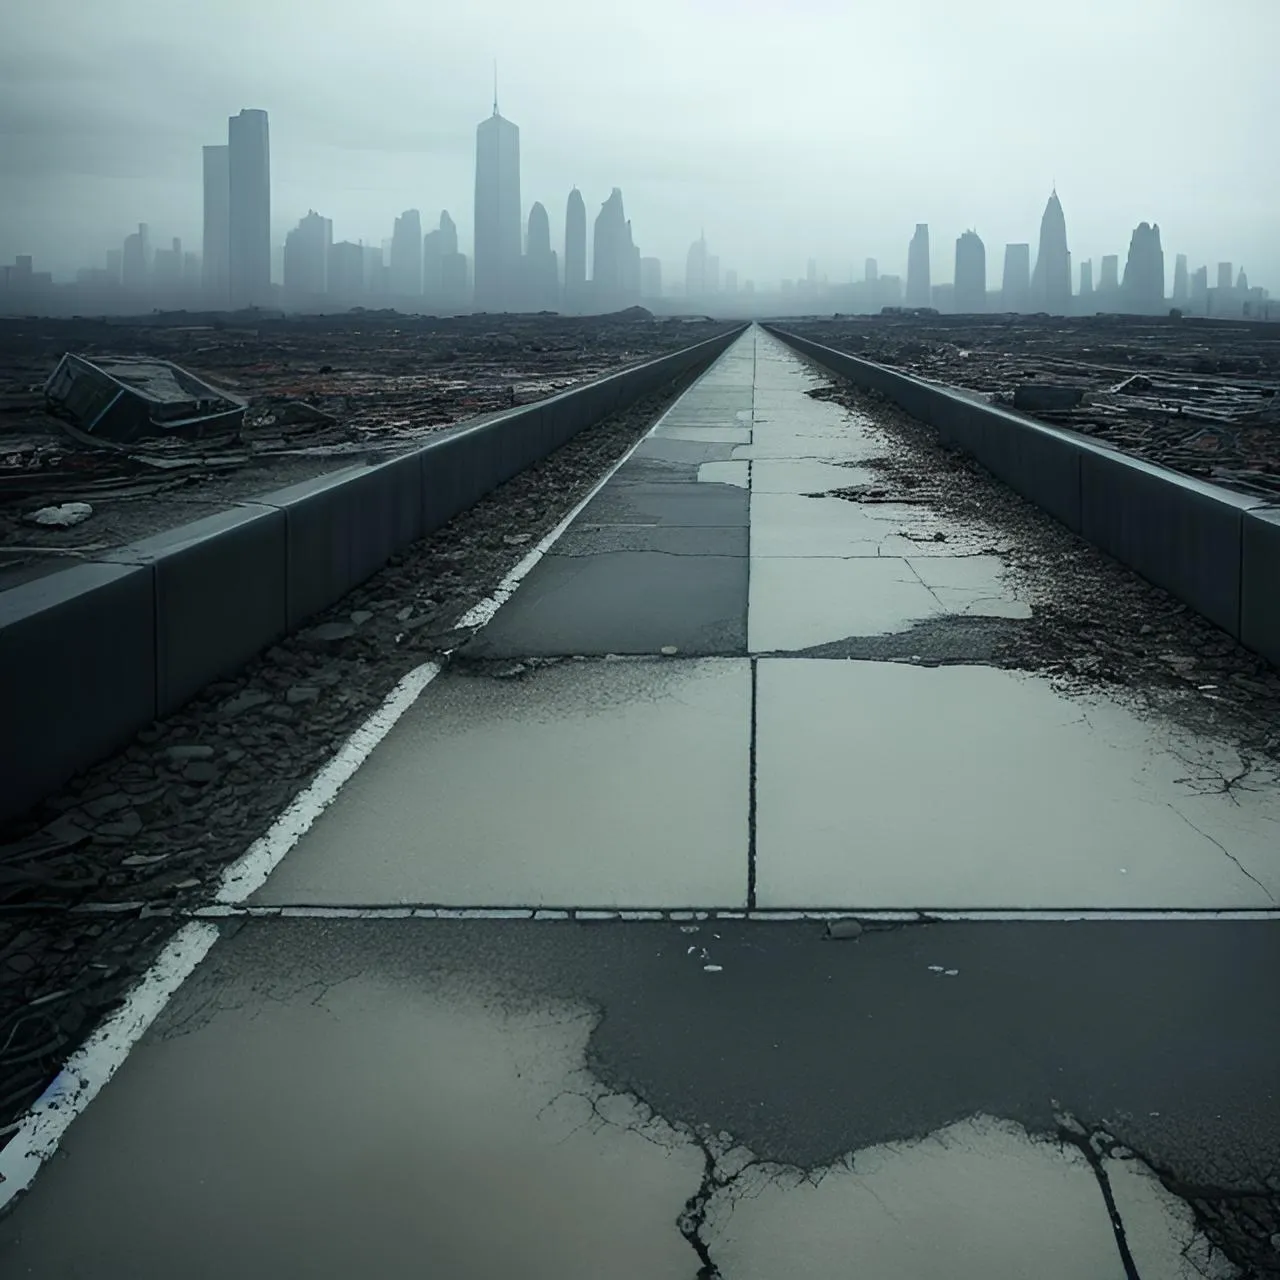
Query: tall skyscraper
column 1015, row 285
column 542, row 285
column 497, row 212
column 406, row 255
column 1143, row 283
column 1086, row 279
column 307, row 251
column 1109, row 281
column 971, row 274
column 136, row 261
column 1199, row 290
column 919, row 293
column 345, row 276
column 575, row 252
column 615, row 281
column 249, row 187
column 1224, row 276
column 695, row 269
column 217, row 225
column 1180, row 284
column 1051, row 279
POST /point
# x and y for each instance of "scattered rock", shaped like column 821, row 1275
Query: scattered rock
column 843, row 930
column 104, row 805
column 63, row 516
column 360, row 617
column 242, row 702
column 188, row 751
column 281, row 712
column 517, row 539
column 201, row 771
column 126, row 825
column 328, row 634
column 302, row 693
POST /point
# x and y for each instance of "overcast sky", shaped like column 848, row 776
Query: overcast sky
column 810, row 128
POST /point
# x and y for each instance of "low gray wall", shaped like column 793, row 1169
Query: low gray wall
column 1217, row 550
column 91, row 654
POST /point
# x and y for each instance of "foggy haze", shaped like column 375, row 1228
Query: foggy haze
column 823, row 130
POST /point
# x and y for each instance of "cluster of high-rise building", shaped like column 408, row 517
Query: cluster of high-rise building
column 1046, row 286
column 515, row 267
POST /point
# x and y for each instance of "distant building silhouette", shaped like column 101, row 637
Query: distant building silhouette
column 1224, row 276
column 115, row 265
column 1142, row 288
column 497, row 214
column 1051, row 279
column 406, row 255
column 166, row 268
column 217, row 225
column 249, row 190
column 1109, row 281
column 575, row 252
column 971, row 274
column 695, row 269
column 713, row 273
column 918, row 292
column 345, row 277
column 1086, row 282
column 135, row 262
column 454, row 283
column 1015, row 284
column 307, row 250
column 1242, row 282
column 871, row 271
column 542, row 284
column 1199, row 292
column 1181, row 292
column 615, row 272
column 650, row 278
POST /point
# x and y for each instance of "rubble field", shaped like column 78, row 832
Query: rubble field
column 323, row 392
column 1198, row 396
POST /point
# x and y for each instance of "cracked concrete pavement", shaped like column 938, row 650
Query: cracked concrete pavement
column 1048, row 1049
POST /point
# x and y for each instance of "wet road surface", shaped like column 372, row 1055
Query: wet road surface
column 547, row 989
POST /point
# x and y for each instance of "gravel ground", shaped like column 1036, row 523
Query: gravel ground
column 153, row 827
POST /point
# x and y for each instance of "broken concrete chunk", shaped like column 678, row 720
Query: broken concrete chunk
column 1036, row 396
column 245, row 701
column 64, row 516
column 842, row 930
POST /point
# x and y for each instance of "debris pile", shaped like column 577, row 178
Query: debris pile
column 1198, row 396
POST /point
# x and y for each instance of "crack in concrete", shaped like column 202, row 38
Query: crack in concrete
column 1072, row 1133
column 1224, row 850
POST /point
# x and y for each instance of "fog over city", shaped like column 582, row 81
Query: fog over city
column 825, row 130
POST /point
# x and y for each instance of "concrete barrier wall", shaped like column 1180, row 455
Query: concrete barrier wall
column 91, row 654
column 1215, row 549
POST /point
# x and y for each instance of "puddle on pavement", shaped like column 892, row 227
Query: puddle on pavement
column 976, row 1200
column 364, row 1128
column 317, row 1116
column 884, row 785
column 470, row 799
column 734, row 473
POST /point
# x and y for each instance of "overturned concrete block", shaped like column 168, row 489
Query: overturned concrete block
column 1040, row 396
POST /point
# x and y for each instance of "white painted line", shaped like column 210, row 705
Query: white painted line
column 249, row 872
column 98, row 1059
column 629, row 915
column 480, row 614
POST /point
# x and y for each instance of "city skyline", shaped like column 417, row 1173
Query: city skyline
column 98, row 144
